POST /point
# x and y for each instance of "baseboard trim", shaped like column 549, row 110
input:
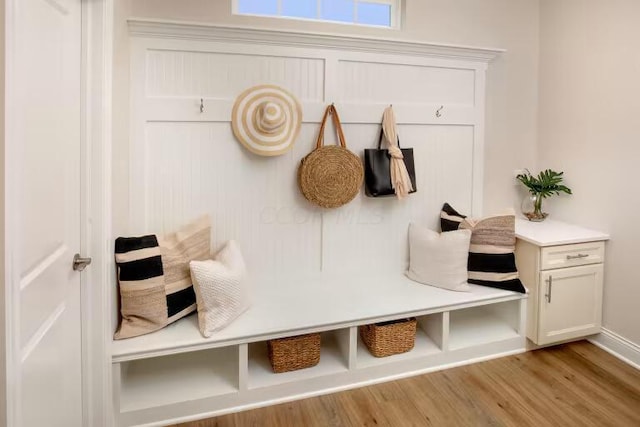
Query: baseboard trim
column 618, row 346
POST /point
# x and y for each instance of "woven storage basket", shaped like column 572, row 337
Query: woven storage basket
column 330, row 176
column 292, row 353
column 389, row 338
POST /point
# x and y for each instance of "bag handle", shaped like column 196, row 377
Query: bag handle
column 380, row 140
column 331, row 110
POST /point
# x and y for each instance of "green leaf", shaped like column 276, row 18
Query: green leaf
column 547, row 183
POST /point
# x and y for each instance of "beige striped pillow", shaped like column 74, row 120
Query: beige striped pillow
column 491, row 259
column 154, row 279
column 143, row 302
column 191, row 243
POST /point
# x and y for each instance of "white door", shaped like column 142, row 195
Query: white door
column 46, row 172
column 570, row 303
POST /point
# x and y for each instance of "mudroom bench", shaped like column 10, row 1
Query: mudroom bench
column 177, row 375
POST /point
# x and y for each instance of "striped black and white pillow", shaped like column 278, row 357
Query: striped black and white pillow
column 450, row 219
column 491, row 252
column 143, row 301
column 154, row 279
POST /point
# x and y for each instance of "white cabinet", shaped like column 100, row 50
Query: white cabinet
column 562, row 266
column 571, row 304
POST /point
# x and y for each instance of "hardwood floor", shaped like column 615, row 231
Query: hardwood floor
column 575, row 384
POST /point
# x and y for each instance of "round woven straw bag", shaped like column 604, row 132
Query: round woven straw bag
column 330, row 176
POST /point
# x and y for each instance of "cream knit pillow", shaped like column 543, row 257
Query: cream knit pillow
column 221, row 288
column 439, row 259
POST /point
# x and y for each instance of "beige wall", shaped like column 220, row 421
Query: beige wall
column 3, row 335
column 512, row 78
column 590, row 128
column 120, row 131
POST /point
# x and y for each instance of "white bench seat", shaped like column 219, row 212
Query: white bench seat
column 308, row 306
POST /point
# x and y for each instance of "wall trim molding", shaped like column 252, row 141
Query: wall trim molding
column 97, row 17
column 618, row 346
column 209, row 32
column 11, row 301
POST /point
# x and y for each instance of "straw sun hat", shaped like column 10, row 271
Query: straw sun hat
column 266, row 119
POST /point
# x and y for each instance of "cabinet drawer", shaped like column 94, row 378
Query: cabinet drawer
column 571, row 255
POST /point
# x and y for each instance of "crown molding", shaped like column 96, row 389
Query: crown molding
column 208, row 32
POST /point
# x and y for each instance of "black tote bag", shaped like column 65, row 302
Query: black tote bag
column 377, row 174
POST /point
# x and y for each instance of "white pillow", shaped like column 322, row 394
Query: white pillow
column 439, row 259
column 221, row 288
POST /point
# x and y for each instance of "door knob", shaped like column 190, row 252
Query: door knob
column 80, row 263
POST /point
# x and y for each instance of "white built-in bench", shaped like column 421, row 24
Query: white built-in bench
column 175, row 374
column 184, row 161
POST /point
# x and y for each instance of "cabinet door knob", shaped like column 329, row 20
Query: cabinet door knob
column 579, row 256
column 549, row 287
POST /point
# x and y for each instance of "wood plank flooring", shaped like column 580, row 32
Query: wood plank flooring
column 575, row 384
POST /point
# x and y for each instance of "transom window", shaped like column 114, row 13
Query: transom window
column 379, row 13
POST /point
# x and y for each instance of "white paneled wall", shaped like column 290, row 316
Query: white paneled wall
column 370, row 234
column 375, row 82
column 224, row 75
column 185, row 163
column 197, row 167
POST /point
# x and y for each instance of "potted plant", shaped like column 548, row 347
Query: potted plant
column 547, row 183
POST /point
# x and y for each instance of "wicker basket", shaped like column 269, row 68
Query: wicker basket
column 389, row 338
column 292, row 353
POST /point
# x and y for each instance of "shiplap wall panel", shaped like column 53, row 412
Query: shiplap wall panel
column 224, row 75
column 370, row 234
column 375, row 82
column 185, row 163
column 198, row 168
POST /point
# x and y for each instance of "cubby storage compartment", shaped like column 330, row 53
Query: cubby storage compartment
column 428, row 341
column 334, row 356
column 484, row 324
column 183, row 377
column 175, row 374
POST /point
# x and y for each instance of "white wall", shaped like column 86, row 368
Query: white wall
column 188, row 163
column 512, row 78
column 590, row 127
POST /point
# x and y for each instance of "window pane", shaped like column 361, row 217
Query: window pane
column 300, row 8
column 258, row 7
column 337, row 10
column 374, row 14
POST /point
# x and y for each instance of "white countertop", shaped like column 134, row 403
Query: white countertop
column 553, row 233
